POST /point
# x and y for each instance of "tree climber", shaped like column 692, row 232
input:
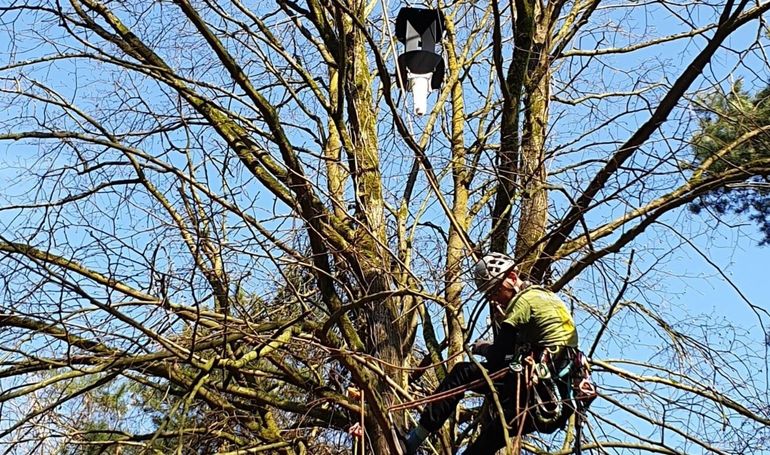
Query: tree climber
column 537, row 344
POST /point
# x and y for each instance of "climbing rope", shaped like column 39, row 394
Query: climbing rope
column 447, row 393
column 519, row 411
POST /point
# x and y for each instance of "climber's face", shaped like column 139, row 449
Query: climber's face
column 502, row 294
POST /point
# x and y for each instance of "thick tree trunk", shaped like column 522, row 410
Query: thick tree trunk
column 509, row 160
column 384, row 337
column 534, row 200
column 534, row 195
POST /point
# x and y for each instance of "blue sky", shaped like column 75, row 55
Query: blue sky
column 686, row 286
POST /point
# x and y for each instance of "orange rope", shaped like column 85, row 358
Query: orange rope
column 363, row 428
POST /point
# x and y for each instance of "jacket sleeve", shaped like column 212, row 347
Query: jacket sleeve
column 505, row 344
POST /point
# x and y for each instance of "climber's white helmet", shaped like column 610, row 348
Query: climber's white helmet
column 490, row 271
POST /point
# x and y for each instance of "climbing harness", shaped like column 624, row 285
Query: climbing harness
column 548, row 405
column 544, row 372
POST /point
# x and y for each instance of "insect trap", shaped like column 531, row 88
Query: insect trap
column 420, row 67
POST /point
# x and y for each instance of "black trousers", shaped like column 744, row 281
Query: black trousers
column 491, row 438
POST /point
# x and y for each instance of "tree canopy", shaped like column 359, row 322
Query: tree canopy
column 222, row 229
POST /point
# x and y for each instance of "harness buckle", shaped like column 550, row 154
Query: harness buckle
column 542, row 371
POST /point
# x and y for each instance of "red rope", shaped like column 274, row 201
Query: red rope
column 447, row 393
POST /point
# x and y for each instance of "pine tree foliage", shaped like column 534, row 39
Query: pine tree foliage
column 724, row 119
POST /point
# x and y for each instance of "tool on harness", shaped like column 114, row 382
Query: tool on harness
column 548, row 397
column 541, row 372
column 539, row 375
column 583, row 387
column 555, row 366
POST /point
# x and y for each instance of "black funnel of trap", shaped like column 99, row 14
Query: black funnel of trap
column 419, row 29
